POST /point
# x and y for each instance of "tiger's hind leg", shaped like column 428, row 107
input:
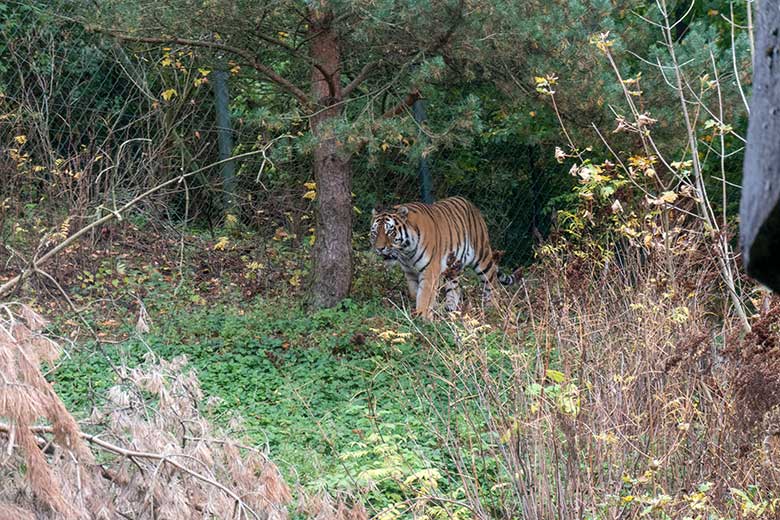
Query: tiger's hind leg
column 451, row 295
column 488, row 273
column 452, row 285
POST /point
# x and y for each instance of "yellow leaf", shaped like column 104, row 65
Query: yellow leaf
column 310, row 195
column 357, row 210
column 558, row 377
column 168, row 94
column 204, row 72
column 669, row 197
column 311, row 185
column 166, row 62
column 680, row 314
column 295, row 280
column 21, row 139
column 235, row 70
column 606, row 437
column 506, row 436
column 221, row 244
column 385, row 146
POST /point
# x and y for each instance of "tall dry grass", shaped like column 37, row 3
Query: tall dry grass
column 617, row 390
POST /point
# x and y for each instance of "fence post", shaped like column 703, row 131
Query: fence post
column 426, row 181
column 225, row 138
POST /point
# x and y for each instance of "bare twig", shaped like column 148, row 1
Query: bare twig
column 723, row 254
column 7, row 287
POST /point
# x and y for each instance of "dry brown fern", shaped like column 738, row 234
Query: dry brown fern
column 25, row 397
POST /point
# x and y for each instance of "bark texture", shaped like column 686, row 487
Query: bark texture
column 332, row 168
column 760, row 205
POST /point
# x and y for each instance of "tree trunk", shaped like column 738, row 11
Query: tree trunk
column 760, row 206
column 332, row 169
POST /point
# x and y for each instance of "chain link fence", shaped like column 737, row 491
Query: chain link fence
column 87, row 123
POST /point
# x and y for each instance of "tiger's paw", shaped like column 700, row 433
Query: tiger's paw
column 426, row 315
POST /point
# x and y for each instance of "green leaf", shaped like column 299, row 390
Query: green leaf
column 534, row 389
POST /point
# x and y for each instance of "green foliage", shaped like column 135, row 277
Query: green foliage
column 312, row 387
column 489, row 134
column 330, row 393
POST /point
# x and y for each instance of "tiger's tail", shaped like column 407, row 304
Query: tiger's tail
column 507, row 279
column 504, row 279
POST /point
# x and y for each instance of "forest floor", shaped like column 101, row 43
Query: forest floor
column 331, row 395
column 589, row 390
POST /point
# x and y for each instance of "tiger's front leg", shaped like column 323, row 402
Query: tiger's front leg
column 426, row 292
column 412, row 283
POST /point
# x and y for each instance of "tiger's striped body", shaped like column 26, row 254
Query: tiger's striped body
column 428, row 240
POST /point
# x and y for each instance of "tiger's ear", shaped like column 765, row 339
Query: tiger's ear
column 403, row 211
column 376, row 210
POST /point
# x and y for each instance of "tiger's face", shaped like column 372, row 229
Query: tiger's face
column 389, row 233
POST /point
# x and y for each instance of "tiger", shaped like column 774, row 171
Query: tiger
column 431, row 240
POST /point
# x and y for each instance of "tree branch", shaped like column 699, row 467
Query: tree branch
column 273, row 41
column 360, row 78
column 267, row 71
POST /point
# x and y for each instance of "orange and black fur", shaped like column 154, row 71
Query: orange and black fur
column 429, row 240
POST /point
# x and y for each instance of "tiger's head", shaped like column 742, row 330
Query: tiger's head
column 390, row 232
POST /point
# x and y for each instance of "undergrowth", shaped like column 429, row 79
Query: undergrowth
column 312, row 388
column 596, row 390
